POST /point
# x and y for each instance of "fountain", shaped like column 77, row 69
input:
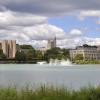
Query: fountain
column 42, row 62
column 56, row 62
column 66, row 62
column 60, row 62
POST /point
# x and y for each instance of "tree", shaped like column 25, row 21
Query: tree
column 66, row 54
column 20, row 56
column 86, row 45
column 31, row 54
column 38, row 54
column 1, row 51
column 26, row 47
column 57, row 53
column 79, row 57
column 2, row 55
column 54, row 53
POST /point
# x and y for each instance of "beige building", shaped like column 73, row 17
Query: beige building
column 51, row 43
column 9, row 48
column 42, row 49
column 89, row 53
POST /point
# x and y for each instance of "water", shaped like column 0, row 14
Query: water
column 74, row 77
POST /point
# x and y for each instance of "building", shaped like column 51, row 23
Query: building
column 51, row 43
column 98, row 48
column 42, row 49
column 88, row 52
column 0, row 45
column 9, row 48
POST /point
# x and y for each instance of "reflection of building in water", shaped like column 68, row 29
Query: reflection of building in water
column 51, row 43
column 89, row 52
column 9, row 48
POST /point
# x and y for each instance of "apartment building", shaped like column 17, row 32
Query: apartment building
column 9, row 48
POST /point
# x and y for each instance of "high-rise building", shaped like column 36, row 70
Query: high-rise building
column 9, row 48
column 51, row 43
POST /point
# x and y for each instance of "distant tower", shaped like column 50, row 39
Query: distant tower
column 51, row 43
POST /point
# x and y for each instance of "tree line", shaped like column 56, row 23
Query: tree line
column 33, row 54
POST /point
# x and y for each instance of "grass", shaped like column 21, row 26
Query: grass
column 50, row 93
column 88, row 62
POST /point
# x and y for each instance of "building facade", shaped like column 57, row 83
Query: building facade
column 51, row 43
column 9, row 48
column 42, row 49
column 89, row 53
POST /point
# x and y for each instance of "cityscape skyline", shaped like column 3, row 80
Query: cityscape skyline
column 88, row 52
column 32, row 22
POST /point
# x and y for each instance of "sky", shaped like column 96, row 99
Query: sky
column 72, row 22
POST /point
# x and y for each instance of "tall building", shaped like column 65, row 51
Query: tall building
column 51, row 43
column 89, row 52
column 9, row 48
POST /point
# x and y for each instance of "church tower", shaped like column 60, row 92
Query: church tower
column 51, row 43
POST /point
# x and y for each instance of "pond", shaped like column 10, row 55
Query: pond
column 74, row 76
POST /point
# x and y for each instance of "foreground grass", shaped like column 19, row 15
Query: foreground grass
column 50, row 93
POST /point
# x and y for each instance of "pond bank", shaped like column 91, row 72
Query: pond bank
column 50, row 93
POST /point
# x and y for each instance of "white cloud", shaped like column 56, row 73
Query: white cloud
column 27, row 21
column 76, row 32
column 29, row 33
column 37, row 36
column 44, row 32
column 89, row 13
column 95, row 13
column 72, row 43
column 92, row 41
column 9, row 18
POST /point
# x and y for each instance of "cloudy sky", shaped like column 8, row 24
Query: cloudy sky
column 73, row 22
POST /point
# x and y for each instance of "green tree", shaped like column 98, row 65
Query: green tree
column 66, row 54
column 54, row 53
column 38, row 54
column 79, row 57
column 1, row 51
column 31, row 54
column 26, row 47
column 20, row 56
column 2, row 55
